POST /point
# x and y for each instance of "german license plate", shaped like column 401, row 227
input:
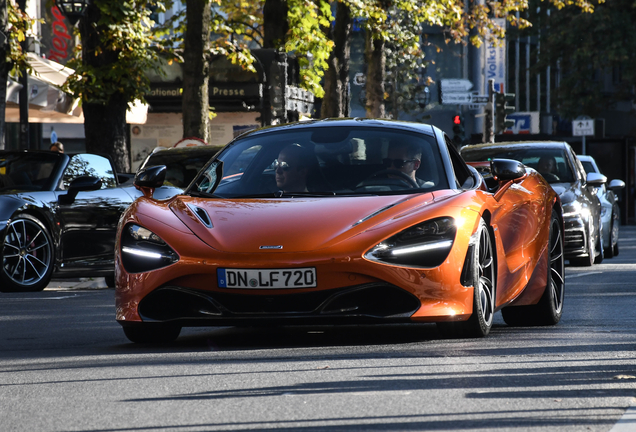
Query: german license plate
column 267, row 278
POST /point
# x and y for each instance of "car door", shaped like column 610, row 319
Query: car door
column 89, row 221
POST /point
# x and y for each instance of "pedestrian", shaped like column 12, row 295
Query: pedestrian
column 57, row 147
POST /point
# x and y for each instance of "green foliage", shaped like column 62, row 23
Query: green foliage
column 19, row 26
column 585, row 46
column 308, row 41
column 117, row 65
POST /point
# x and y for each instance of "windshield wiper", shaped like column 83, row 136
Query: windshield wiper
column 281, row 194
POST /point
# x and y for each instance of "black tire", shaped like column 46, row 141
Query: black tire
column 600, row 248
column 151, row 332
column 550, row 307
column 483, row 271
column 612, row 249
column 27, row 255
column 110, row 280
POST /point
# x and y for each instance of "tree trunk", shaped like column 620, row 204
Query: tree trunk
column 374, row 57
column 275, row 25
column 104, row 122
column 196, row 70
column 4, row 67
column 335, row 102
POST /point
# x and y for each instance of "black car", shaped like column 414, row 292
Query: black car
column 58, row 217
column 182, row 166
column 558, row 164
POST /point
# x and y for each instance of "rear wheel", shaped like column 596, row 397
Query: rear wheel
column 550, row 307
column 151, row 332
column 483, row 275
column 27, row 255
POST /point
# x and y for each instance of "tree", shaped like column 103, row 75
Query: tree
column 335, row 102
column 110, row 65
column 196, row 70
column 584, row 46
column 393, row 28
column 14, row 26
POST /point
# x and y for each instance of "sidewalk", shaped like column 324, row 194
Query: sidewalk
column 77, row 283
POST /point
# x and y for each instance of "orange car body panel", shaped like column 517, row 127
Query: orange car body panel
column 332, row 235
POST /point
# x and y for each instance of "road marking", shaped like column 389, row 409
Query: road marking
column 627, row 422
column 581, row 275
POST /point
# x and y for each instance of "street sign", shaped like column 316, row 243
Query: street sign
column 583, row 127
column 463, row 99
column 479, row 99
column 455, row 98
column 455, row 85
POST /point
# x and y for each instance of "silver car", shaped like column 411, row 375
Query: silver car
column 610, row 212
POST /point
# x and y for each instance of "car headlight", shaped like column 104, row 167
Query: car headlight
column 575, row 208
column 142, row 250
column 423, row 245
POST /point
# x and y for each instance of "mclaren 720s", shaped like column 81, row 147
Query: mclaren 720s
column 348, row 221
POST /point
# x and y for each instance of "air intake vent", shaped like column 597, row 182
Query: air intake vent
column 202, row 215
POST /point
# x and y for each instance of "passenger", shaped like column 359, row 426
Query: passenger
column 292, row 168
column 404, row 157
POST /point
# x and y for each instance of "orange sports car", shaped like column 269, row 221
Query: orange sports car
column 341, row 221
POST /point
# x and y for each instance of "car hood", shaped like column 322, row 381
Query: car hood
column 568, row 192
column 293, row 225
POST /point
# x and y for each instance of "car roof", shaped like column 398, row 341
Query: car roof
column 345, row 122
column 517, row 145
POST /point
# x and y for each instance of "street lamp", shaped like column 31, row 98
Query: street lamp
column 72, row 9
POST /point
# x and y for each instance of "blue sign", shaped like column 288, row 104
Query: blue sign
column 525, row 123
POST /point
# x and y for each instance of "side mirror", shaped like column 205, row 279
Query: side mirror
column 595, row 179
column 149, row 178
column 80, row 184
column 616, row 184
column 507, row 169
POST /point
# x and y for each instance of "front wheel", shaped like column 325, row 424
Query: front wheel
column 27, row 255
column 550, row 307
column 483, row 275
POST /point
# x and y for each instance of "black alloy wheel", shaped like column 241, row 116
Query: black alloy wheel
column 550, row 307
column 27, row 255
column 484, row 276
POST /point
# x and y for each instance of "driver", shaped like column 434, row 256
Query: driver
column 292, row 168
column 547, row 167
column 404, row 157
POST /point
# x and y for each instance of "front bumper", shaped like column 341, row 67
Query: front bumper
column 576, row 237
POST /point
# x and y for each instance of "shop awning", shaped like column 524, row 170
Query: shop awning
column 48, row 103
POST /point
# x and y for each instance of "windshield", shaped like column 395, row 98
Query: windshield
column 326, row 162
column 26, row 171
column 588, row 166
column 552, row 164
column 182, row 165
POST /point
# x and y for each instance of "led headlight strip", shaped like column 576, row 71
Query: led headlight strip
column 426, row 244
column 142, row 250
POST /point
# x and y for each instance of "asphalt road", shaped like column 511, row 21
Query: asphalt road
column 65, row 365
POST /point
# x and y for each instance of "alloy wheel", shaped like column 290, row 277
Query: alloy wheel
column 26, row 253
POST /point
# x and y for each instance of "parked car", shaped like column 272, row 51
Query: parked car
column 182, row 165
column 558, row 164
column 341, row 221
column 610, row 212
column 58, row 217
